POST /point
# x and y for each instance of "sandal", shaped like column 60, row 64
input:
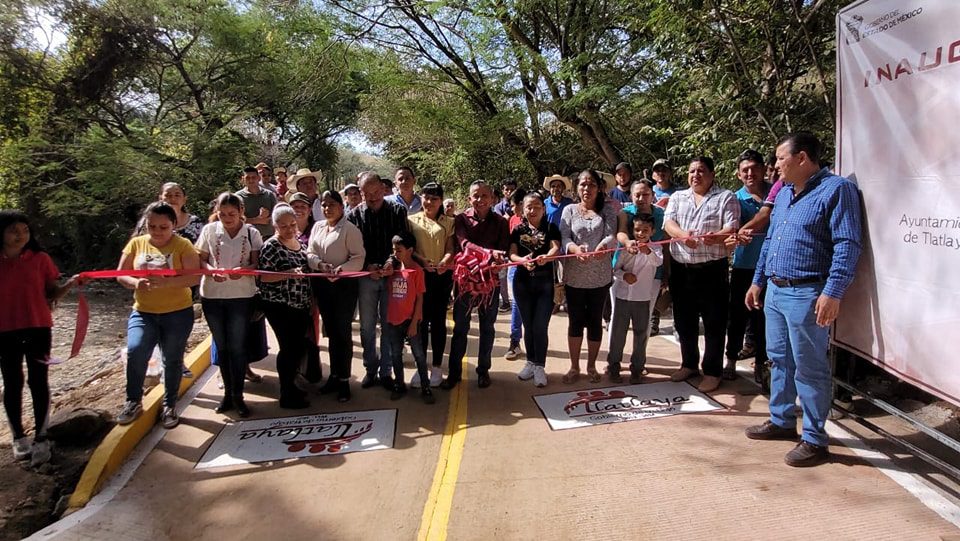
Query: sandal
column 571, row 376
column 253, row 377
column 594, row 376
column 729, row 373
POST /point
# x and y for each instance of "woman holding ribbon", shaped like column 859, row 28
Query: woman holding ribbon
column 336, row 246
column 229, row 244
column 587, row 227
column 162, row 308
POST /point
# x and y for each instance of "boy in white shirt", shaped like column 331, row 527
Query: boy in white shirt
column 633, row 277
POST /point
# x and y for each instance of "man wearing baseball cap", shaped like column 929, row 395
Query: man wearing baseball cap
column 623, row 174
column 663, row 186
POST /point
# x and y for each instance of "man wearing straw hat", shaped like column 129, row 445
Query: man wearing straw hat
column 557, row 185
column 306, row 182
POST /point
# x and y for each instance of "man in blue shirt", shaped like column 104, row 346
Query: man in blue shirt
column 404, row 182
column 750, row 171
column 504, row 207
column 663, row 179
column 807, row 263
column 623, row 174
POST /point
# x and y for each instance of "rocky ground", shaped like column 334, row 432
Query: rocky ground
column 94, row 380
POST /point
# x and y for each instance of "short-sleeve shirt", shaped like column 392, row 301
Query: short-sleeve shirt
column 660, row 193
column 555, row 209
column 596, row 231
column 253, row 202
column 745, row 257
column 227, row 253
column 622, row 197
column 772, row 195
column 431, row 236
column 658, row 232
column 23, row 288
column 718, row 210
column 405, row 285
column 294, row 292
column 534, row 242
column 148, row 257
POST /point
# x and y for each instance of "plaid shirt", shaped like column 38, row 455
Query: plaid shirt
column 718, row 210
column 814, row 234
column 378, row 229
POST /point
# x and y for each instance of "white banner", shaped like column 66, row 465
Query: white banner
column 576, row 409
column 265, row 440
column 898, row 134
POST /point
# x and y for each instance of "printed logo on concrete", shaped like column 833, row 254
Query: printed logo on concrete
column 265, row 440
column 618, row 404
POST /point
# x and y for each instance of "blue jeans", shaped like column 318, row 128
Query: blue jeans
column 797, row 348
column 533, row 297
column 516, row 331
column 372, row 298
column 146, row 331
column 395, row 335
column 228, row 320
column 487, row 313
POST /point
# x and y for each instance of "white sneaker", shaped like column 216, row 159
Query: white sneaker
column 539, row 376
column 436, row 376
column 21, row 448
column 41, row 453
column 415, row 380
column 526, row 372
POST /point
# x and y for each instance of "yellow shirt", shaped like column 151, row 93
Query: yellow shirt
column 148, row 257
column 431, row 236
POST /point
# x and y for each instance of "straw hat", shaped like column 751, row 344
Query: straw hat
column 607, row 178
column 303, row 173
column 567, row 185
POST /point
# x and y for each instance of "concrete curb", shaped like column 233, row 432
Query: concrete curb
column 121, row 441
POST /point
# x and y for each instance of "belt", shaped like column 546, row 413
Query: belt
column 704, row 265
column 783, row 282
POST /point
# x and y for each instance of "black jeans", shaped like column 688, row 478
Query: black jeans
column 487, row 318
column 337, row 302
column 701, row 291
column 433, row 327
column 33, row 345
column 229, row 320
column 534, row 297
column 740, row 281
column 585, row 309
column 290, row 326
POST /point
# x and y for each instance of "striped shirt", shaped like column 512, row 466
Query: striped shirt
column 718, row 210
column 814, row 234
column 378, row 229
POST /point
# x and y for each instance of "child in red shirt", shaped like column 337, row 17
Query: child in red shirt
column 28, row 287
column 404, row 312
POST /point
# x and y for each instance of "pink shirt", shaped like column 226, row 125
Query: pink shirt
column 23, row 288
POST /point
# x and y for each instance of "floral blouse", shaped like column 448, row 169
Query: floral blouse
column 533, row 242
column 293, row 292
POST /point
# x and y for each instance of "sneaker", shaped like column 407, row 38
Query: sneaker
column 770, row 431
column 169, row 417
column 343, row 393
column 219, row 382
column 505, row 307
column 636, row 378
column 129, row 413
column 514, row 350
column 40, row 453
column 526, row 372
column 369, row 380
column 399, row 389
column 187, row 373
column 427, row 395
column 415, row 380
column 21, row 448
column 806, row 454
column 436, row 376
column 388, row 383
column 539, row 376
column 483, row 380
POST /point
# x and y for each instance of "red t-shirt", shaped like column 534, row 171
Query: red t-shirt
column 23, row 288
column 405, row 285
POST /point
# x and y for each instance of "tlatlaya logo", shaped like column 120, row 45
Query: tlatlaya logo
column 313, row 436
column 594, row 402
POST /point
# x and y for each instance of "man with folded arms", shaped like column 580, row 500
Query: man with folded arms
column 807, row 263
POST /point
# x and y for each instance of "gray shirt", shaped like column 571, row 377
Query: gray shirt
column 597, row 232
column 253, row 202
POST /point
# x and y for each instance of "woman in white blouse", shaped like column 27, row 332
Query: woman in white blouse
column 229, row 244
column 336, row 245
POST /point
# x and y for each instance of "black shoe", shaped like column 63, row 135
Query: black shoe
column 387, row 383
column 242, row 409
column 483, row 380
column 505, row 307
column 225, row 405
column 331, row 386
column 427, row 396
column 655, row 324
column 770, row 431
column 343, row 393
column 449, row 384
column 806, row 454
column 748, row 351
column 398, row 390
column 294, row 403
column 368, row 381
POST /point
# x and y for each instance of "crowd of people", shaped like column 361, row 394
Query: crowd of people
column 613, row 257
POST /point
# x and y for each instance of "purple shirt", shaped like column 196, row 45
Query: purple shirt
column 490, row 233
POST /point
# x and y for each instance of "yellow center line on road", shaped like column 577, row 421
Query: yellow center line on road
column 436, row 512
